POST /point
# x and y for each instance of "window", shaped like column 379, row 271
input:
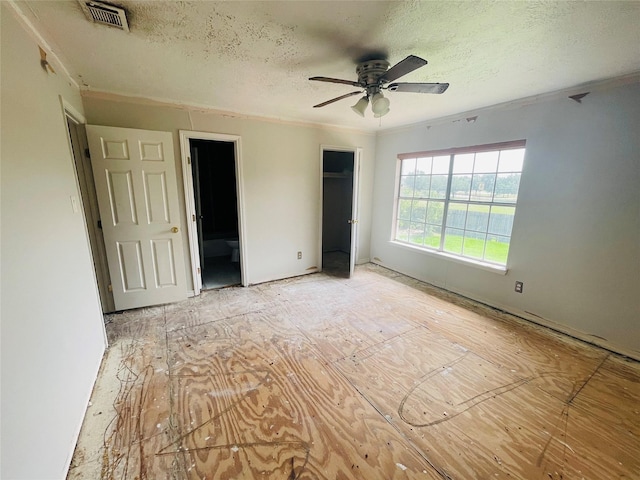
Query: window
column 460, row 201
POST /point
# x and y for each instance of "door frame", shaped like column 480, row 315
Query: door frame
column 357, row 154
column 189, row 199
column 88, row 202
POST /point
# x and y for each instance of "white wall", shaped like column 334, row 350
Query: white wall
column 52, row 327
column 575, row 242
column 282, row 181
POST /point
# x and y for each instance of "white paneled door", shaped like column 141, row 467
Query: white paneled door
column 135, row 177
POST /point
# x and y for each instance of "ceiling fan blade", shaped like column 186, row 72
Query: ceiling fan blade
column 403, row 67
column 335, row 80
column 418, row 87
column 337, row 98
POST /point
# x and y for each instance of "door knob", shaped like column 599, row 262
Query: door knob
column 353, row 221
column 174, row 229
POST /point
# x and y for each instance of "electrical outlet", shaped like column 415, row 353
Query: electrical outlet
column 299, row 255
column 519, row 286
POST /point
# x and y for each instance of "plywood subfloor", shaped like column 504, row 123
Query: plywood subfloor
column 375, row 377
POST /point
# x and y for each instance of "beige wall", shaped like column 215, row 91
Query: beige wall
column 575, row 236
column 52, row 327
column 281, row 173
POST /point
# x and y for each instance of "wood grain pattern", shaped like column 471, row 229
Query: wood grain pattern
column 374, row 377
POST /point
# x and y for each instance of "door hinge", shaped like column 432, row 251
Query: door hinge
column 198, row 269
column 110, row 288
column 188, row 160
column 100, row 224
column 87, row 153
column 193, row 217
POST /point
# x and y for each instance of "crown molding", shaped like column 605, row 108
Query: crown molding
column 198, row 108
column 594, row 86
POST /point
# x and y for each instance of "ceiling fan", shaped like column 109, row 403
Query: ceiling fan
column 375, row 76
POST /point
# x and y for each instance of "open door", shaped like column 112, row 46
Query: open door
column 353, row 221
column 339, row 227
column 135, row 178
column 198, row 204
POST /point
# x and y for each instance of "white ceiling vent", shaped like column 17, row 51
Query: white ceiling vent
column 107, row 15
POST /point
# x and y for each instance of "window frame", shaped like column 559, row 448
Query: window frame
column 448, row 200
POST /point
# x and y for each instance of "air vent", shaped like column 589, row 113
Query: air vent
column 108, row 15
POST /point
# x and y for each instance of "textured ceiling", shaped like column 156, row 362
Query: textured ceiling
column 255, row 58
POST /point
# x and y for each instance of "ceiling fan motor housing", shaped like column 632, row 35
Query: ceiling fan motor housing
column 369, row 73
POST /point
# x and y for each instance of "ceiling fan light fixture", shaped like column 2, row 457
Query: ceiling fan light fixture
column 361, row 106
column 379, row 105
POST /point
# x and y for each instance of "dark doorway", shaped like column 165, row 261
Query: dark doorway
column 216, row 201
column 337, row 212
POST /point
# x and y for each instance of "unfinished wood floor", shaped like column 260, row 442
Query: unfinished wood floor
column 375, row 377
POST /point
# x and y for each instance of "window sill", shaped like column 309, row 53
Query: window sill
column 489, row 267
